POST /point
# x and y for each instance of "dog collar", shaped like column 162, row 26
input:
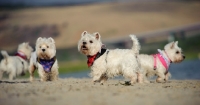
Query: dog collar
column 47, row 64
column 165, row 62
column 168, row 57
column 91, row 59
column 21, row 55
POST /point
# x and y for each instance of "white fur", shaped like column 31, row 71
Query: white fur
column 115, row 62
column 47, row 44
column 15, row 65
column 147, row 62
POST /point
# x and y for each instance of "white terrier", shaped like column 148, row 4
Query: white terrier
column 158, row 64
column 44, row 59
column 16, row 65
column 106, row 63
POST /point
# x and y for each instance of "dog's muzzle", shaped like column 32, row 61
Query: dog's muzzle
column 84, row 47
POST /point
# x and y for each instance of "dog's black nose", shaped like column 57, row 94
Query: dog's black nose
column 184, row 57
column 84, row 43
column 43, row 50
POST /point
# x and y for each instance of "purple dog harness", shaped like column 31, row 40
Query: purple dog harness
column 47, row 64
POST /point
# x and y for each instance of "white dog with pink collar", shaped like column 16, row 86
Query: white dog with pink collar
column 158, row 64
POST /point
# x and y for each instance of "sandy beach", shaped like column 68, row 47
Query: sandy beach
column 72, row 91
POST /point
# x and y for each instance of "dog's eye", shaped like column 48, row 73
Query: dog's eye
column 47, row 46
column 40, row 47
column 91, row 41
column 177, row 52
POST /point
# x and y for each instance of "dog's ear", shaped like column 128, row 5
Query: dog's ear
column 172, row 45
column 27, row 44
column 97, row 35
column 169, row 45
column 51, row 40
column 84, row 32
column 176, row 43
column 39, row 39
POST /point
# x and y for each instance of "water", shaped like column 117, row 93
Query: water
column 189, row 70
column 186, row 70
column 83, row 74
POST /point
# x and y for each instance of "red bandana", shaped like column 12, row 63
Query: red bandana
column 21, row 55
column 91, row 59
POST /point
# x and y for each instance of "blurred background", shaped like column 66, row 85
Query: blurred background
column 154, row 22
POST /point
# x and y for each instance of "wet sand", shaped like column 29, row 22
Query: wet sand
column 71, row 91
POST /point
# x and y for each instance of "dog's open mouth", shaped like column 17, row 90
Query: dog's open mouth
column 84, row 48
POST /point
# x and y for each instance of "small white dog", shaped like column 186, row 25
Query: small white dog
column 158, row 64
column 18, row 64
column 106, row 63
column 44, row 59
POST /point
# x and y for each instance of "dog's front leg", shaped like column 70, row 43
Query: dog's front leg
column 54, row 75
column 103, row 79
column 31, row 72
column 140, row 77
column 167, row 76
column 160, row 78
column 96, row 78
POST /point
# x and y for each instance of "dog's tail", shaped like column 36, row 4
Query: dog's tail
column 136, row 45
column 4, row 54
column 4, row 61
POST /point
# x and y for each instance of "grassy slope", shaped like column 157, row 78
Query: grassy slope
column 111, row 19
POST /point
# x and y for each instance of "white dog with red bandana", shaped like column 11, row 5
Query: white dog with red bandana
column 44, row 59
column 158, row 64
column 106, row 63
column 18, row 64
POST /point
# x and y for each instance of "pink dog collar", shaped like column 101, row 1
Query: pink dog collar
column 164, row 62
